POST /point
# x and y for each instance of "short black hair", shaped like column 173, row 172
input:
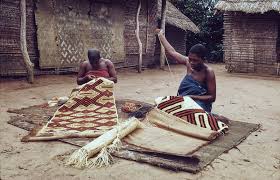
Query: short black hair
column 93, row 55
column 199, row 50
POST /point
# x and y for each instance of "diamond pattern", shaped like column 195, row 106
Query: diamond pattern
column 91, row 112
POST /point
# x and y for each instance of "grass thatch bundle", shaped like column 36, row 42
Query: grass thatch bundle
column 249, row 6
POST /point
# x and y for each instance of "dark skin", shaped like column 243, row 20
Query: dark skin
column 101, row 64
column 195, row 67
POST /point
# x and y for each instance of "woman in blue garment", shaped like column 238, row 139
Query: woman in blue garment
column 199, row 82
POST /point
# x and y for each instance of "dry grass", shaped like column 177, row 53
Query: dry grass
column 249, row 6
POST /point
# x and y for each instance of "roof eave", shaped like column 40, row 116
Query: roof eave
column 248, row 7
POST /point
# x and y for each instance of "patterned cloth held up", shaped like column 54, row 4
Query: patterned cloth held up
column 188, row 110
column 89, row 113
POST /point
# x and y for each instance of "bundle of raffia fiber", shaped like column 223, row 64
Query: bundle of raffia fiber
column 104, row 144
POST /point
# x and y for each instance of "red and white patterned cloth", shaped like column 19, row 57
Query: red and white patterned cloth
column 188, row 110
column 89, row 113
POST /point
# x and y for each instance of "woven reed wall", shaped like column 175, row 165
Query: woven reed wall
column 10, row 53
column 250, row 42
column 176, row 37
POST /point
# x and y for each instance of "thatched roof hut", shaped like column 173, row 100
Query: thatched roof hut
column 59, row 32
column 176, row 18
column 251, row 35
column 249, row 6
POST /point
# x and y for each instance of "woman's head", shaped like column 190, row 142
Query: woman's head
column 93, row 56
column 196, row 56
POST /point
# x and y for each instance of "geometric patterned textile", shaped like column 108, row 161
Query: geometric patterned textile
column 187, row 109
column 89, row 113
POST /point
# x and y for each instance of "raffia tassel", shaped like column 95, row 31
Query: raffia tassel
column 103, row 159
column 79, row 159
column 104, row 144
column 116, row 145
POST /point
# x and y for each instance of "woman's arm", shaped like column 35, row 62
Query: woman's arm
column 170, row 51
column 112, row 71
column 81, row 78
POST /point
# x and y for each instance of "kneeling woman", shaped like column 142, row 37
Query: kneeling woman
column 96, row 67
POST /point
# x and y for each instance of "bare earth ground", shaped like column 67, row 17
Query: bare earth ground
column 239, row 97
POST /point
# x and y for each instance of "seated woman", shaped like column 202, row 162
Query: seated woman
column 96, row 67
column 199, row 83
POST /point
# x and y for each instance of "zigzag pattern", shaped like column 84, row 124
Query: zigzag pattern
column 92, row 110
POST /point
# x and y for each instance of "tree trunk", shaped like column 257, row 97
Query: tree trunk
column 138, row 38
column 162, row 26
column 23, row 45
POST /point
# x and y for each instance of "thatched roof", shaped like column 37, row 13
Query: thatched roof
column 249, row 6
column 177, row 18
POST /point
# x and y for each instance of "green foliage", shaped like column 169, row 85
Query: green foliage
column 202, row 13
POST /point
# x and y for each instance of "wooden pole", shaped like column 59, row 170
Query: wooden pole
column 147, row 26
column 162, row 26
column 138, row 38
column 23, row 45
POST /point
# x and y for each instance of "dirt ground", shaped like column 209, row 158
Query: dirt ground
column 239, row 97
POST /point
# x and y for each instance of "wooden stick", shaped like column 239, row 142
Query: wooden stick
column 138, row 38
column 278, row 66
column 23, row 45
column 162, row 26
column 147, row 26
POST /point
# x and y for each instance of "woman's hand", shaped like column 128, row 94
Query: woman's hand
column 90, row 77
column 159, row 31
